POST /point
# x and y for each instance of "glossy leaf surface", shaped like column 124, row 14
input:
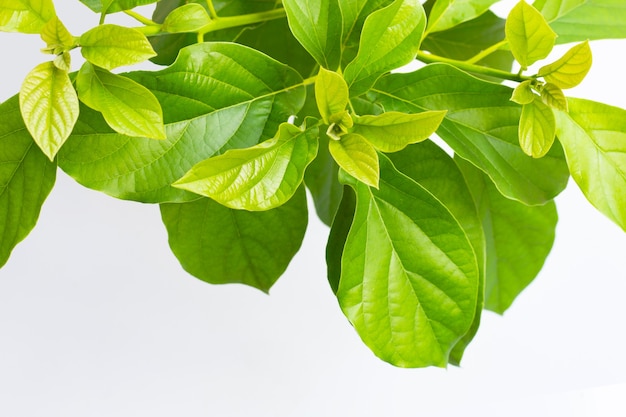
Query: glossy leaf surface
column 446, row 14
column 25, row 16
column 187, row 18
column 112, row 46
column 357, row 157
column 529, row 35
column 331, row 94
column 554, row 97
column 569, row 70
column 56, row 36
column 536, row 129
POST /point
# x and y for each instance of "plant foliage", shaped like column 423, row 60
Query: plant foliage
column 260, row 100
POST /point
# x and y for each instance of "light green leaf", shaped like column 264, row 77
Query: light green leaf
column 230, row 94
column 331, row 94
column 433, row 169
column 25, row 16
column 49, row 106
column 529, row 35
column 446, row 14
column 392, row 131
column 112, row 46
column 519, row 238
column 220, row 245
column 56, row 36
column 569, row 70
column 115, row 5
column 390, row 39
column 63, row 61
column 26, row 179
column 554, row 97
column 594, row 139
column 409, row 276
column 536, row 129
column 317, row 25
column 186, row 18
column 523, row 93
column 357, row 157
column 128, row 107
column 581, row 20
column 481, row 125
column 258, row 178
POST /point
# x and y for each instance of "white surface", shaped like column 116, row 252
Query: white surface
column 98, row 319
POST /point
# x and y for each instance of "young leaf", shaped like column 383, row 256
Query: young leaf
column 392, row 131
column 317, row 25
column 481, row 125
column 523, row 93
column 529, row 35
column 357, row 157
column 519, row 238
column 25, row 16
column 112, row 46
column 390, row 38
column 26, row 178
column 186, row 18
column 569, row 70
column 446, row 14
column 594, row 139
column 112, row 6
column 331, row 94
column 536, row 129
column 259, row 178
column 128, row 107
column 49, row 106
column 409, row 276
column 228, row 93
column 220, row 245
column 56, row 36
column 554, row 97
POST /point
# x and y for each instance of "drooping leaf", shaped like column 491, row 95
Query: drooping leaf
column 111, row 46
column 446, row 14
column 433, row 169
column 536, row 129
column 127, row 106
column 392, row 131
column 26, row 179
column 594, row 139
column 357, row 157
column 481, row 125
column 49, row 105
column 331, row 94
column 569, row 70
column 409, row 276
column 220, row 245
column 390, row 39
column 554, row 97
column 519, row 238
column 115, row 5
column 317, row 25
column 186, row 18
column 581, row 20
column 529, row 35
column 339, row 230
column 217, row 96
column 56, row 36
column 25, row 16
column 258, row 178
column 523, row 93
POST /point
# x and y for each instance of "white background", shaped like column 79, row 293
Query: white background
column 98, row 319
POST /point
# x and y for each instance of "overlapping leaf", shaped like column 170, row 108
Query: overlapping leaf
column 26, row 16
column 536, row 129
column 217, row 96
column 113, row 6
column 446, row 14
column 481, row 125
column 357, row 157
column 569, row 70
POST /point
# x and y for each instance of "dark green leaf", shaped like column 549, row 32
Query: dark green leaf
column 338, row 235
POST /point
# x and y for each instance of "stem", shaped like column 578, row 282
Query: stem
column 140, row 18
column 309, row 81
column 212, row 11
column 242, row 20
column 486, row 52
column 477, row 69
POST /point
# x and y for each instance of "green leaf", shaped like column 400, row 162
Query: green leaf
column 258, row 178
column 433, row 169
column 581, row 20
column 128, row 107
column 115, row 5
column 390, row 39
column 56, row 36
column 49, row 106
column 409, row 276
column 25, row 16
column 317, row 25
column 529, row 35
column 446, row 14
column 554, row 97
column 26, row 179
column 519, row 238
column 229, row 93
column 331, row 94
column 594, row 139
column 186, row 18
column 523, row 93
column 220, row 245
column 481, row 126
column 112, row 46
column 392, row 131
column 569, row 70
column 536, row 129
column 357, row 157
column 338, row 234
